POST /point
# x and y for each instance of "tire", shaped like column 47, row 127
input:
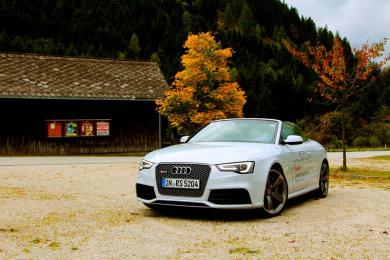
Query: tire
column 323, row 188
column 275, row 195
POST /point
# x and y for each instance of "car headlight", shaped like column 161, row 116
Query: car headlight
column 239, row 167
column 145, row 164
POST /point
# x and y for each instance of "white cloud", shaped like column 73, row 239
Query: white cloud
column 358, row 20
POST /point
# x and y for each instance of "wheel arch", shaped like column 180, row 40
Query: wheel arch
column 325, row 160
column 277, row 166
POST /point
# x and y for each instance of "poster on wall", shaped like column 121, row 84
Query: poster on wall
column 54, row 129
column 71, row 129
column 87, row 129
column 102, row 128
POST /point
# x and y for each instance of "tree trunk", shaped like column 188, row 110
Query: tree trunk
column 344, row 168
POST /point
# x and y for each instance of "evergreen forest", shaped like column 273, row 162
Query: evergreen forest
column 276, row 84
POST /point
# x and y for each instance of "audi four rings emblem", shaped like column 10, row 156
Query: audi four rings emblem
column 181, row 170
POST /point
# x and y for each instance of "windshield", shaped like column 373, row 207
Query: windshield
column 254, row 130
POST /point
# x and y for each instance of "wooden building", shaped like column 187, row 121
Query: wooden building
column 63, row 105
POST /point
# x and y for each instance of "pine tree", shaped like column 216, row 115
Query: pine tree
column 279, row 33
column 134, row 48
column 245, row 22
column 154, row 57
column 187, row 21
column 228, row 18
column 122, row 55
column 236, row 6
column 258, row 32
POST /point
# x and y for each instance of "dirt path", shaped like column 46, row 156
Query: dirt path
column 89, row 211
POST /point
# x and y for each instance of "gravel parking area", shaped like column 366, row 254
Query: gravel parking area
column 88, row 210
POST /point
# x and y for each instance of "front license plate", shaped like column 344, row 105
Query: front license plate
column 180, row 183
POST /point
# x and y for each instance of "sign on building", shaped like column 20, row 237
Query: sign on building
column 54, row 129
column 103, row 128
column 78, row 127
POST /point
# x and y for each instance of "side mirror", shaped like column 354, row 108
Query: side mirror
column 293, row 139
column 184, row 139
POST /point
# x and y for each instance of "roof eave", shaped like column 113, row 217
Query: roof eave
column 81, row 98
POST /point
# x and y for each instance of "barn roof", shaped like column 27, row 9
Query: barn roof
column 40, row 76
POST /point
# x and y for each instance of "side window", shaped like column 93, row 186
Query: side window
column 289, row 128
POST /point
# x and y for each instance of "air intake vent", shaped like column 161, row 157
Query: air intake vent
column 230, row 197
column 145, row 192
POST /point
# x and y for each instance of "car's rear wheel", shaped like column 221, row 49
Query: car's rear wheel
column 275, row 195
column 323, row 188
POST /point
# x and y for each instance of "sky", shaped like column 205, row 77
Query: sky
column 357, row 20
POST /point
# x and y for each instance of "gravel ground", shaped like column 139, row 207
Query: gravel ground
column 75, row 210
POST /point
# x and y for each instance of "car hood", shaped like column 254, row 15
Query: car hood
column 211, row 152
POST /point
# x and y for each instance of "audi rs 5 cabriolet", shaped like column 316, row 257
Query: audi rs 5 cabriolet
column 235, row 164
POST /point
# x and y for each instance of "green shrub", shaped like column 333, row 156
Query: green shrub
column 361, row 141
column 374, row 140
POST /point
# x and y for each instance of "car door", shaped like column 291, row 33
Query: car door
column 299, row 157
column 314, row 162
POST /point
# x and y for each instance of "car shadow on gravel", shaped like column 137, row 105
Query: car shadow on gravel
column 224, row 215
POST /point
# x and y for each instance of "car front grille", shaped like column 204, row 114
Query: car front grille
column 198, row 171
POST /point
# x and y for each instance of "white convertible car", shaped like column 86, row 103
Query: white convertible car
column 235, row 164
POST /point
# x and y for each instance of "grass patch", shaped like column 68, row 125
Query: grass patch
column 357, row 149
column 116, row 217
column 380, row 157
column 52, row 218
column 55, row 197
column 360, row 178
column 54, row 245
column 360, row 173
column 383, row 184
column 58, row 227
column 36, row 241
column 7, row 192
column 8, row 230
column 243, row 251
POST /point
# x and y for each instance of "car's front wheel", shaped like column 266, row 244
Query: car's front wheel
column 275, row 195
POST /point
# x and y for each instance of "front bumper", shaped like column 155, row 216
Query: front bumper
column 224, row 190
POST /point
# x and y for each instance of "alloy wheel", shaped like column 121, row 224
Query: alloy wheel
column 275, row 194
column 324, row 180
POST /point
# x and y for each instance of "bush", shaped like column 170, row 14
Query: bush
column 361, row 141
column 374, row 141
column 336, row 143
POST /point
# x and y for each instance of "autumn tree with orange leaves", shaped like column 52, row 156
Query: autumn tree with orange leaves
column 203, row 91
column 337, row 81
